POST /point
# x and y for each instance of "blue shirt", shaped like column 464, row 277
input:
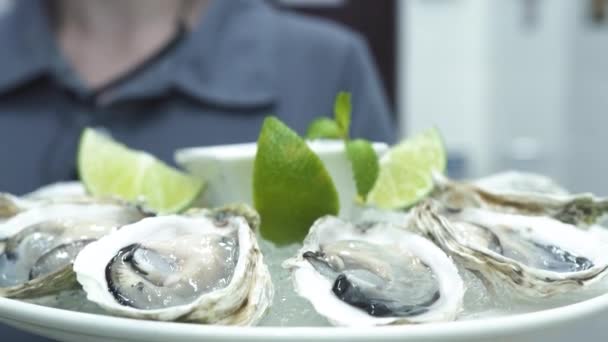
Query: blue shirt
column 244, row 61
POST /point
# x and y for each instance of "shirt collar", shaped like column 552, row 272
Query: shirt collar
column 226, row 60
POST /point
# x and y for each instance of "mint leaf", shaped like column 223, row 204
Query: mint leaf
column 364, row 161
column 323, row 128
column 342, row 110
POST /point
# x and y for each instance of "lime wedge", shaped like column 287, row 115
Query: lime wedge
column 291, row 187
column 108, row 168
column 406, row 171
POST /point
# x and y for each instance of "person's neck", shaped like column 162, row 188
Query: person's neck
column 103, row 39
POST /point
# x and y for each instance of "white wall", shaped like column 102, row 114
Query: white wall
column 587, row 110
column 444, row 81
column 510, row 93
column 529, row 66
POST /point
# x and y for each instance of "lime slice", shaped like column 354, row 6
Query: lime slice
column 406, row 171
column 291, row 187
column 108, row 168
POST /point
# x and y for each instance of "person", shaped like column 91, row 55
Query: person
column 160, row 75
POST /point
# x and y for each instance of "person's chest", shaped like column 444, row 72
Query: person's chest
column 39, row 131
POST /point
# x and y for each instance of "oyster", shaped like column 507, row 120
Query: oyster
column 39, row 244
column 581, row 210
column 520, row 182
column 11, row 205
column 58, row 191
column 204, row 266
column 536, row 256
column 375, row 274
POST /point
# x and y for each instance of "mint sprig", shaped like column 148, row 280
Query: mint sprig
column 360, row 152
column 342, row 110
column 323, row 128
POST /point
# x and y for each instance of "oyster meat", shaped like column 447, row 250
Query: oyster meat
column 582, row 210
column 537, row 256
column 375, row 274
column 204, row 266
column 39, row 244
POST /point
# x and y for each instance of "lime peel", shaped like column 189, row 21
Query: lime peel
column 291, row 187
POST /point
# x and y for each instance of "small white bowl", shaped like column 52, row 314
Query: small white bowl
column 228, row 170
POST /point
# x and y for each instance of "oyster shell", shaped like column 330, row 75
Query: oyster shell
column 537, row 256
column 39, row 244
column 10, row 206
column 520, row 182
column 204, row 266
column 375, row 274
column 58, row 191
column 581, row 210
column 68, row 192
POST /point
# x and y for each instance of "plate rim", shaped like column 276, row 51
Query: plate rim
column 75, row 322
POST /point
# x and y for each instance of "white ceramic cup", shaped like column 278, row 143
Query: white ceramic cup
column 228, row 170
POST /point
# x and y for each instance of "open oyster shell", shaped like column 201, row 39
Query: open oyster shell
column 59, row 191
column 375, row 274
column 581, row 210
column 39, row 243
column 204, row 266
column 537, row 256
column 520, row 182
column 10, row 206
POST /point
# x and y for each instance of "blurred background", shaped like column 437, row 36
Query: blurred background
column 511, row 84
column 517, row 84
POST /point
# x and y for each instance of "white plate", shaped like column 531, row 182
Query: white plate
column 233, row 163
column 585, row 320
